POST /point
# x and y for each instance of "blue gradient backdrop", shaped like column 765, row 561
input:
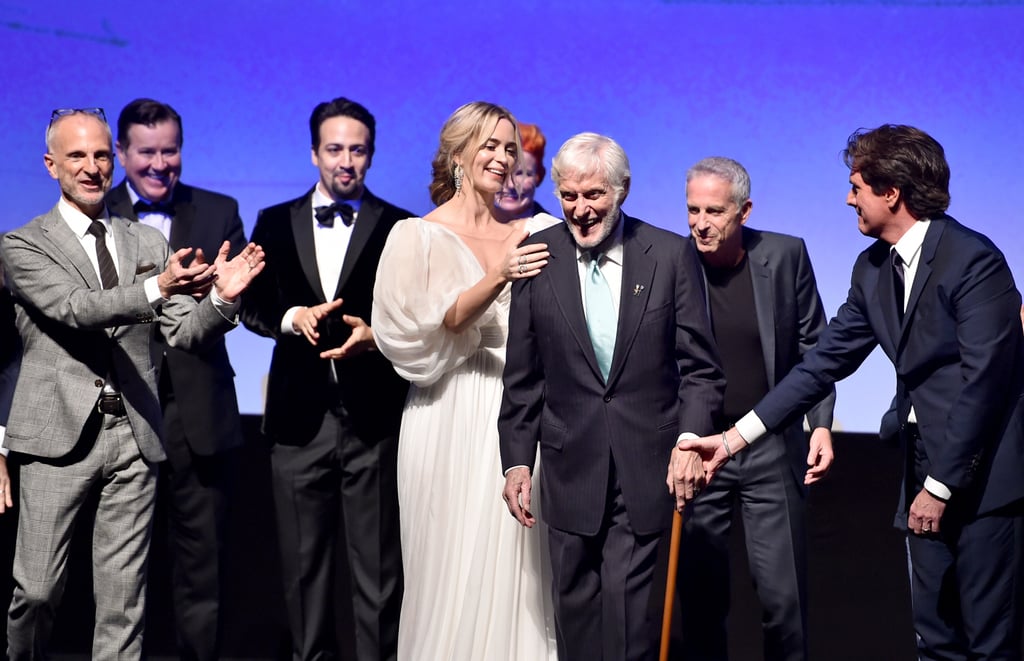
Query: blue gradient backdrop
column 777, row 85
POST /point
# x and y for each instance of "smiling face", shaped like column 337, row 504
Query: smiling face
column 873, row 209
column 343, row 157
column 488, row 171
column 591, row 208
column 152, row 159
column 715, row 219
column 516, row 199
column 81, row 159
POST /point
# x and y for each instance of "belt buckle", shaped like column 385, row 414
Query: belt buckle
column 110, row 404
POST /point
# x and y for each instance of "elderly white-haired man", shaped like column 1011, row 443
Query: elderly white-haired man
column 610, row 359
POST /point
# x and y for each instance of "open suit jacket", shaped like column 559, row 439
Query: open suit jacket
column 664, row 379
column 767, row 479
column 789, row 319
column 297, row 394
column 959, row 359
column 75, row 334
column 204, row 379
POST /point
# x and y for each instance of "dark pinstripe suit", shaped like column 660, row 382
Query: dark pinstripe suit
column 604, row 447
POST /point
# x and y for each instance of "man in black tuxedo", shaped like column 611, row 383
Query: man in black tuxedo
column 941, row 302
column 202, row 430
column 765, row 312
column 610, row 359
column 334, row 403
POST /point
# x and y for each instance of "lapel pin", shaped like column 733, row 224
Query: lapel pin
column 637, row 289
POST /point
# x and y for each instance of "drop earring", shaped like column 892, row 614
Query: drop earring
column 457, row 176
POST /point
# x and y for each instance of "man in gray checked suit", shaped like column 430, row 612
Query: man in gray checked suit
column 88, row 288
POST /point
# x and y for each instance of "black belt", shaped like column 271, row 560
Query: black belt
column 111, row 403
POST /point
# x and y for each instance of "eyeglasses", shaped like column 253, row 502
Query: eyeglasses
column 64, row 112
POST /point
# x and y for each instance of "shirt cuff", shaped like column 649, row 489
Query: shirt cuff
column 751, row 428
column 512, row 468
column 3, row 450
column 685, row 436
column 286, row 321
column 937, row 489
column 227, row 310
column 152, row 289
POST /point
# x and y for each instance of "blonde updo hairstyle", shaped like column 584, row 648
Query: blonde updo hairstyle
column 464, row 132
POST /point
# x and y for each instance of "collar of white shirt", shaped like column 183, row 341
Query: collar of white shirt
column 909, row 245
column 78, row 221
column 320, row 199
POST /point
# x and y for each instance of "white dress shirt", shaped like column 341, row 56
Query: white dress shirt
column 330, row 245
column 155, row 219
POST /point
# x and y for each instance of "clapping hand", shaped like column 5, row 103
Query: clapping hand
column 193, row 280
column 360, row 341
column 233, row 276
column 307, row 319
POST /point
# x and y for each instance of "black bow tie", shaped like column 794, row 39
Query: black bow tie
column 325, row 215
column 141, row 207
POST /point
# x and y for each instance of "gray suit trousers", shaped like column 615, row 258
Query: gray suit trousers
column 52, row 494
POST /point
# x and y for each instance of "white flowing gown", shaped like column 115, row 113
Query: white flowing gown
column 477, row 584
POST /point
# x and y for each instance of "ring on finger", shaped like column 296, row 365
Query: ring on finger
column 522, row 259
column 522, row 268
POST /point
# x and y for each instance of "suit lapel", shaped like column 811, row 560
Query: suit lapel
column 885, row 297
column 119, row 203
column 764, row 308
column 65, row 241
column 127, row 241
column 370, row 211
column 924, row 271
column 182, row 222
column 638, row 268
column 563, row 275
column 302, row 231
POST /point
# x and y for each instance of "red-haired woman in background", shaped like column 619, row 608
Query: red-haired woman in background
column 516, row 199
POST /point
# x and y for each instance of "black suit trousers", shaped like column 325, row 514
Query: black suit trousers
column 762, row 486
column 602, row 588
column 193, row 494
column 338, row 472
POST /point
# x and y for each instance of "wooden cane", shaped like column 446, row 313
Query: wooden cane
column 670, row 585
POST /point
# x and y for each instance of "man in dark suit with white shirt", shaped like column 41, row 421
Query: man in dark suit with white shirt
column 334, row 403
column 197, row 391
column 610, row 360
column 940, row 301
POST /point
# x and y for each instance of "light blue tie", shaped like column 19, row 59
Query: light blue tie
column 601, row 317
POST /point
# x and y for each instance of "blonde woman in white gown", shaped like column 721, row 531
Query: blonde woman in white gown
column 477, row 584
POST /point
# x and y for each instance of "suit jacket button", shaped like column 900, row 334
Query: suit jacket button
column 607, row 398
column 98, row 383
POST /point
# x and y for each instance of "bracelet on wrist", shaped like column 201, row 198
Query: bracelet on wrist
column 725, row 444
